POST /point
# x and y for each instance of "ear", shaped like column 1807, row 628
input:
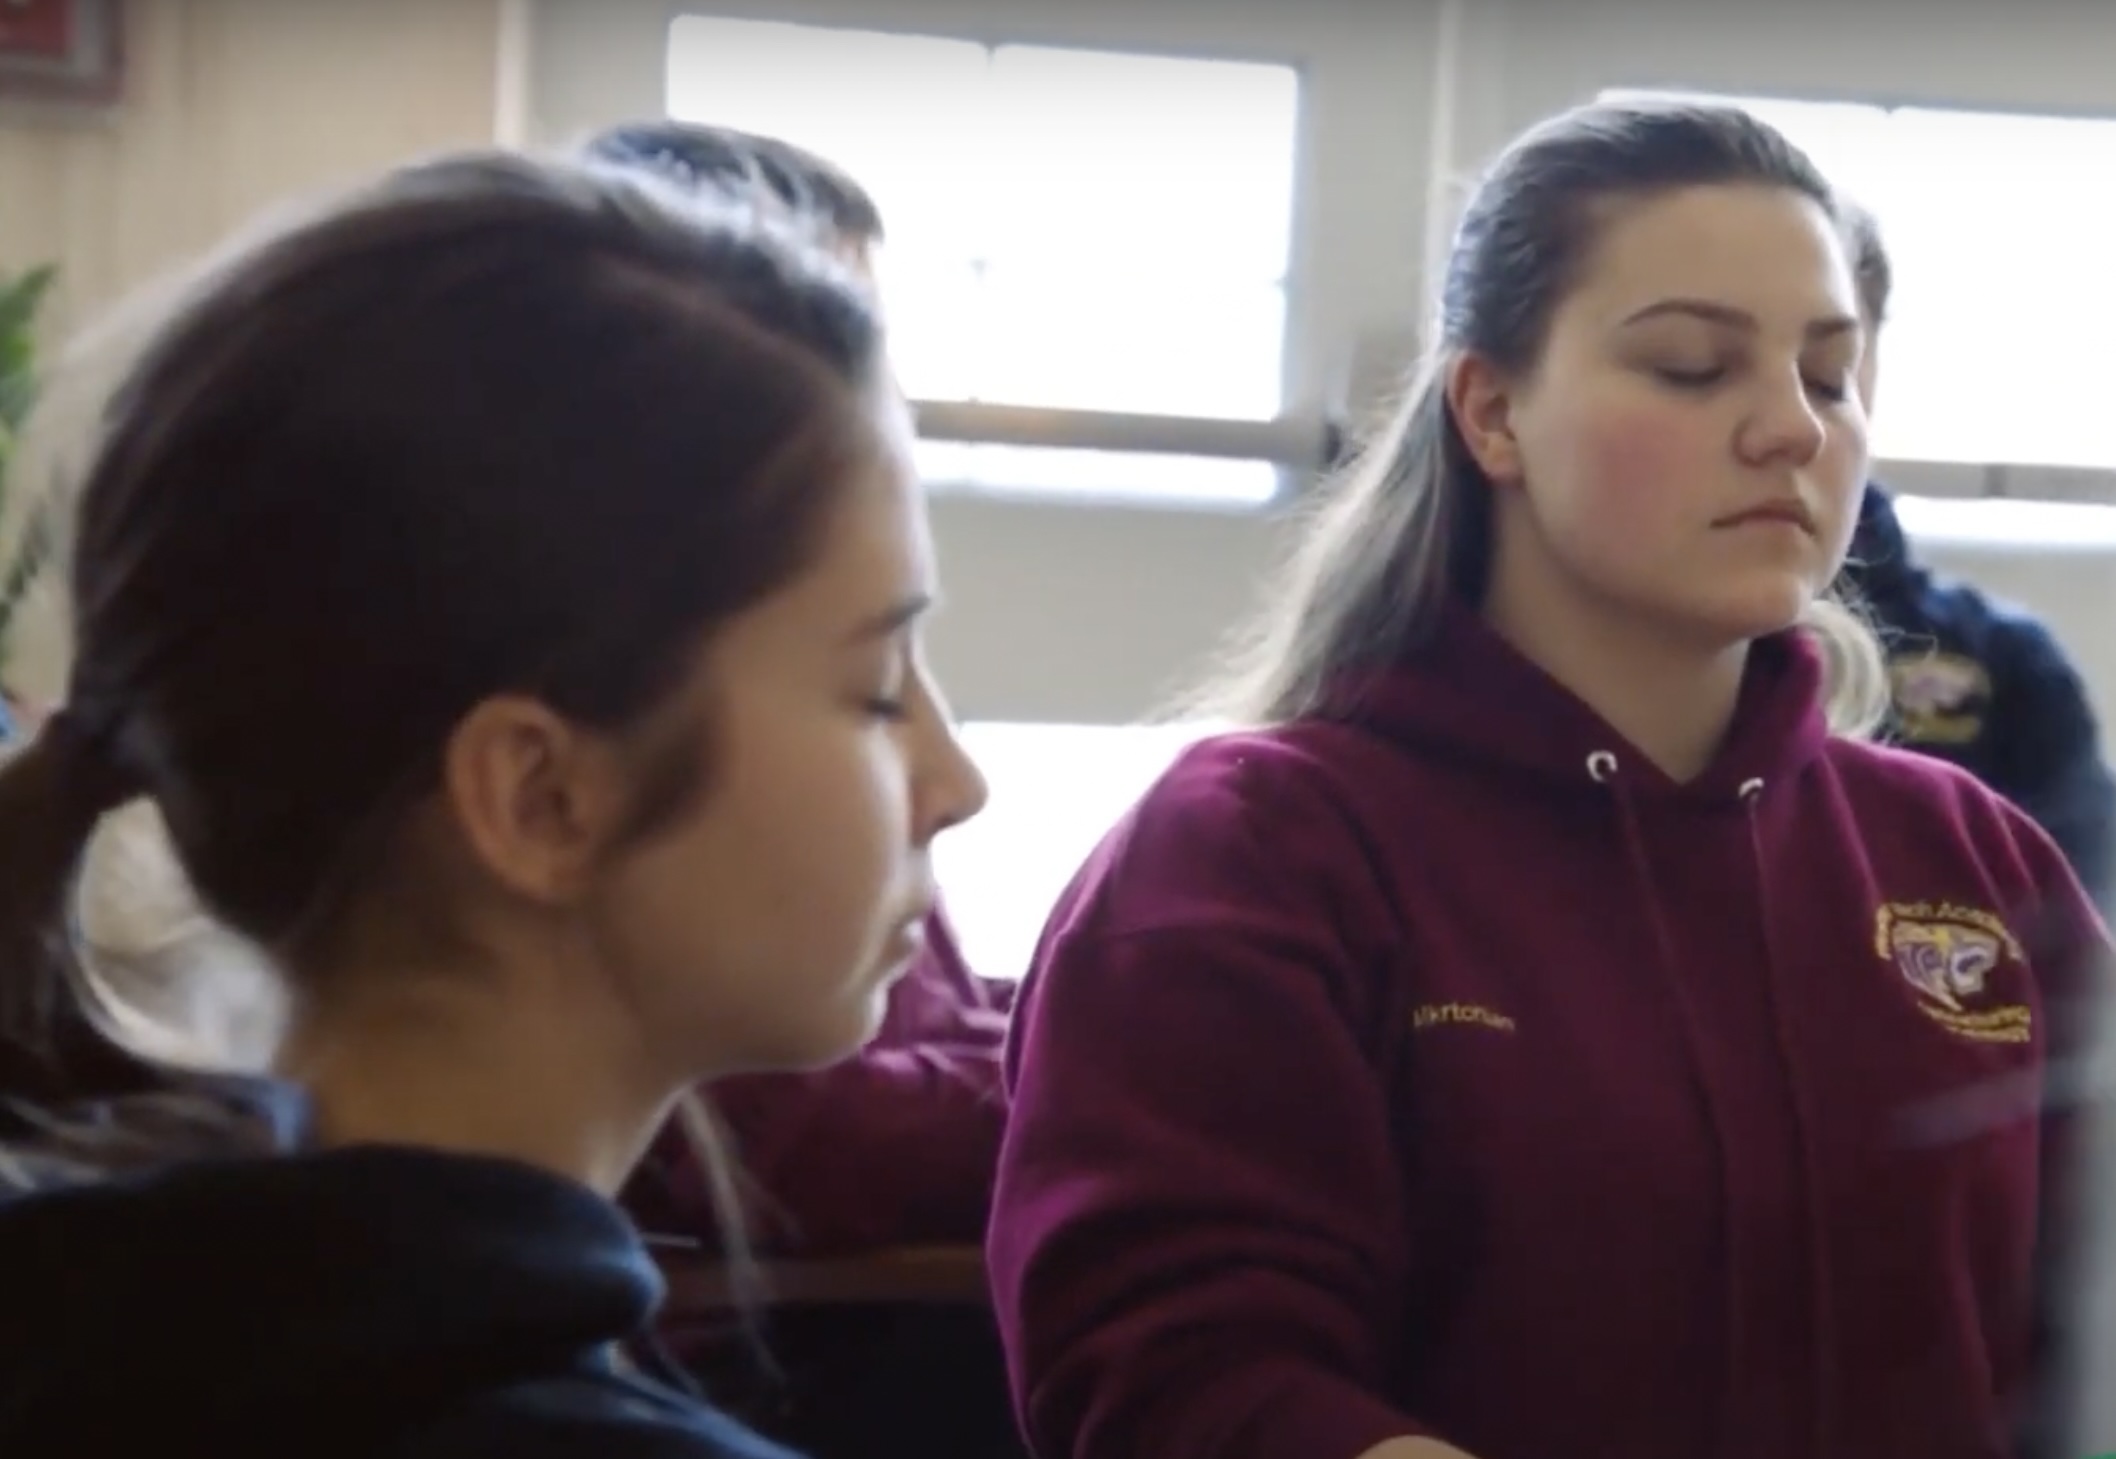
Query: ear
column 1481, row 401
column 535, row 797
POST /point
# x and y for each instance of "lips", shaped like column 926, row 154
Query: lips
column 1793, row 513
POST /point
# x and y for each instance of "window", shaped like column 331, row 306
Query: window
column 1068, row 229
column 1056, row 790
column 2010, row 522
column 2000, row 232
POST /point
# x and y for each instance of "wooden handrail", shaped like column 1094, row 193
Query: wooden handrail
column 908, row 1275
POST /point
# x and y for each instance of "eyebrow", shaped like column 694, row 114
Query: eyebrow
column 893, row 619
column 1827, row 327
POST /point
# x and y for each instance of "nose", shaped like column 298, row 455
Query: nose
column 948, row 787
column 1783, row 426
column 960, row 789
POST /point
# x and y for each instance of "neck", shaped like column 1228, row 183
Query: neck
column 1672, row 701
column 457, row 1066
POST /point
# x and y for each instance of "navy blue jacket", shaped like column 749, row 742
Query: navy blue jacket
column 364, row 1303
column 1984, row 684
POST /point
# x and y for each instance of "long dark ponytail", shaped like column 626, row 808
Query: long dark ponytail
column 54, row 791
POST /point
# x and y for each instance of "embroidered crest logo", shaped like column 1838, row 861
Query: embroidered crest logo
column 1949, row 954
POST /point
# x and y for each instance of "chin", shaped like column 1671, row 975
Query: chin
column 821, row 1046
column 1746, row 616
column 864, row 1013
column 831, row 1030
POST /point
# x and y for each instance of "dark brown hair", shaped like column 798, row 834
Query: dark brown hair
column 490, row 424
column 739, row 164
column 1407, row 523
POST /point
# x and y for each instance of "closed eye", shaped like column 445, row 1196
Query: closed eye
column 1833, row 391
column 1690, row 379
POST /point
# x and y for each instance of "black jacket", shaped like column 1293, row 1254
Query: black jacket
column 1984, row 684
column 366, row 1303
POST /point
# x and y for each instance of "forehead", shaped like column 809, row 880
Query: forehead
column 876, row 543
column 1767, row 250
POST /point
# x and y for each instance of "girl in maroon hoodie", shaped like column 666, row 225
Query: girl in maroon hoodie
column 1551, row 1032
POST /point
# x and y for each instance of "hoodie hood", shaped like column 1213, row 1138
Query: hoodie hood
column 244, row 1292
column 1470, row 697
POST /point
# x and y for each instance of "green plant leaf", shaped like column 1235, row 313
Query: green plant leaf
column 22, row 572
column 21, row 299
column 23, row 296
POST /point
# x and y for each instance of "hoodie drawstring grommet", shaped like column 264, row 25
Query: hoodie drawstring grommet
column 1601, row 767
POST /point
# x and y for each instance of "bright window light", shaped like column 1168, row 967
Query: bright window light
column 1068, row 229
column 1057, row 789
column 1998, row 522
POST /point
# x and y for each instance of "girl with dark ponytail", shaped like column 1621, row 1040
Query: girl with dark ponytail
column 505, row 584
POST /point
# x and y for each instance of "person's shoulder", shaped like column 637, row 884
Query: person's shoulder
column 1284, row 767
column 1880, row 776
column 1272, row 791
column 1922, row 802
column 1890, row 785
column 586, row 1416
column 1244, row 827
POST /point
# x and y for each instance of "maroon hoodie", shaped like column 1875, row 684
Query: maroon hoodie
column 893, row 1146
column 1449, row 1070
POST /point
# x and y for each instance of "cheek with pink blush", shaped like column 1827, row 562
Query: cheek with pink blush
column 1632, row 474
